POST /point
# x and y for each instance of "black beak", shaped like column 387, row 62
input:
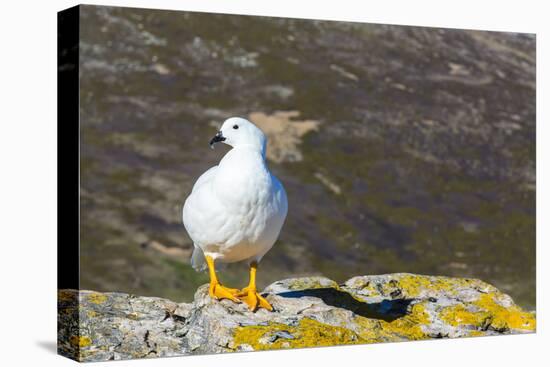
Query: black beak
column 216, row 139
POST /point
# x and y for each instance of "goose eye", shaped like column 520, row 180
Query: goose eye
column 235, row 127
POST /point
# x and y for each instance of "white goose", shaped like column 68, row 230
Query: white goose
column 236, row 210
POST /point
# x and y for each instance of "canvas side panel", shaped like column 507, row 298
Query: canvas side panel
column 68, row 23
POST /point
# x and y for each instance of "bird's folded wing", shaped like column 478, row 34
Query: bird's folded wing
column 204, row 216
column 205, row 177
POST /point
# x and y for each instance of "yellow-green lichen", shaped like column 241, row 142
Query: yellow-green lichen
column 370, row 330
column 66, row 295
column 410, row 325
column 458, row 315
column 489, row 313
column 97, row 298
column 92, row 313
column 80, row 341
column 311, row 283
column 133, row 316
column 308, row 333
column 412, row 285
column 477, row 333
column 371, row 289
column 367, row 287
column 502, row 317
column 67, row 311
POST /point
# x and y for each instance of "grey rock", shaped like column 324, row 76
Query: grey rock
column 312, row 311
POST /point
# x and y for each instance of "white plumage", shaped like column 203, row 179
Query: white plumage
column 237, row 208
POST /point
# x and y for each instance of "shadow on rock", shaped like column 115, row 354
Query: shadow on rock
column 387, row 310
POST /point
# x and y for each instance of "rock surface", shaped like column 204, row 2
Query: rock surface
column 314, row 311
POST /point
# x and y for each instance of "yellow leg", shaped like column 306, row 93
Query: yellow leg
column 249, row 294
column 216, row 290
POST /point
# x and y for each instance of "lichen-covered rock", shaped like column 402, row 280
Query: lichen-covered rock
column 312, row 311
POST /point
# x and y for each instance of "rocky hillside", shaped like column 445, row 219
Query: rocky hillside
column 314, row 311
column 408, row 147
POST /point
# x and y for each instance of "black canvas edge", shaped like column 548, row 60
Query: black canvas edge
column 68, row 182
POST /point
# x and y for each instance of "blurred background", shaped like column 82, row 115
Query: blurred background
column 402, row 149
